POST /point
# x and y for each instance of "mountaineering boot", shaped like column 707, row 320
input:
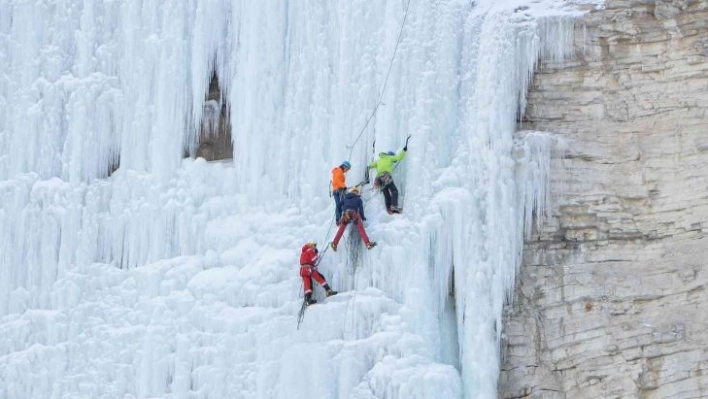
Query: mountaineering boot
column 370, row 245
column 310, row 300
column 334, row 246
column 330, row 291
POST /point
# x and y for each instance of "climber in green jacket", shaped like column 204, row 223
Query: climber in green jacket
column 384, row 181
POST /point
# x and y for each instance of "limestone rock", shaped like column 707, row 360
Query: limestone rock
column 611, row 300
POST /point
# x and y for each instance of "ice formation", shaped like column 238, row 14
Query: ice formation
column 129, row 271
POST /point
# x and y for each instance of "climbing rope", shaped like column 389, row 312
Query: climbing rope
column 356, row 258
column 326, row 243
column 301, row 314
column 350, row 302
column 383, row 89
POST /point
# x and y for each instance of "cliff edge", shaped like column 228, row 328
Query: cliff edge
column 611, row 300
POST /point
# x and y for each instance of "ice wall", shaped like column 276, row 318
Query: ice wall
column 175, row 277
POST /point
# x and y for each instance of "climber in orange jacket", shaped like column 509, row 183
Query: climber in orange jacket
column 339, row 187
column 308, row 271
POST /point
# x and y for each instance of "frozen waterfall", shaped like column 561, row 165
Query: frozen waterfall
column 129, row 270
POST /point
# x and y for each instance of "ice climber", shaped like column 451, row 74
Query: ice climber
column 384, row 181
column 308, row 271
column 339, row 187
column 352, row 210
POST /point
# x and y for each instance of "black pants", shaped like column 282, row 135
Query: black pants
column 390, row 193
column 338, row 196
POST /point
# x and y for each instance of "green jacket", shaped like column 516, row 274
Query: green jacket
column 385, row 162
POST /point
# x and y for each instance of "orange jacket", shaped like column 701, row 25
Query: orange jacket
column 338, row 179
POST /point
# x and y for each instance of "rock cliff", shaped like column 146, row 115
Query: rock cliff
column 611, row 300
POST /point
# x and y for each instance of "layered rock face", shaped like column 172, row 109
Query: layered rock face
column 611, row 300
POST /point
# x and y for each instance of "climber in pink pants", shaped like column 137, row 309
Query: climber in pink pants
column 352, row 210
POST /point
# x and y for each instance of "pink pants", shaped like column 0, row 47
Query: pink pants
column 348, row 216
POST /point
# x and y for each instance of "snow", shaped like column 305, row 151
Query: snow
column 179, row 278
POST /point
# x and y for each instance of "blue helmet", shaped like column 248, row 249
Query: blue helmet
column 391, row 153
column 346, row 164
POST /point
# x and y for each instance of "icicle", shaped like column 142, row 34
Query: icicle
column 535, row 153
column 557, row 36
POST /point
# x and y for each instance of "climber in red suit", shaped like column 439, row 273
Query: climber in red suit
column 308, row 271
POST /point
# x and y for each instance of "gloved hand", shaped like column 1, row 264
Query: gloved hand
column 317, row 251
column 364, row 219
column 405, row 148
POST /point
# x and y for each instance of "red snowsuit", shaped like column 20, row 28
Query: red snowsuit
column 308, row 270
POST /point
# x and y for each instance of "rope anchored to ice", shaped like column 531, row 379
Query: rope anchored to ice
column 383, row 89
